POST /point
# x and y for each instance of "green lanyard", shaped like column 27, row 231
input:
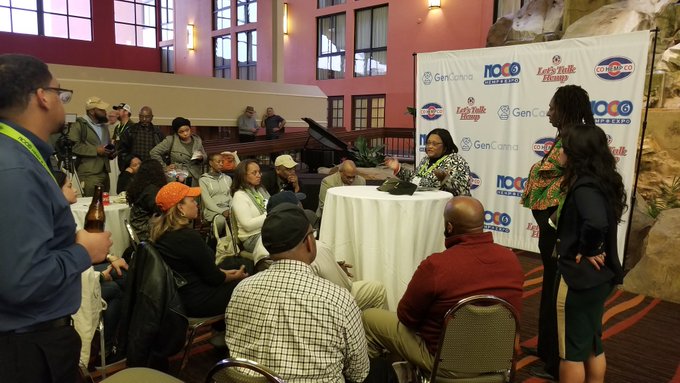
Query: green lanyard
column 423, row 173
column 20, row 138
column 257, row 196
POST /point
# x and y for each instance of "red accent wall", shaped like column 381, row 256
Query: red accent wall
column 101, row 52
column 412, row 28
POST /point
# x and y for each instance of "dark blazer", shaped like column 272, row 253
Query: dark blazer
column 587, row 226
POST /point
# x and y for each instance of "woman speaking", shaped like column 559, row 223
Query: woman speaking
column 443, row 168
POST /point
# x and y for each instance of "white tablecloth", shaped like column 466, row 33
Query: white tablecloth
column 116, row 214
column 384, row 236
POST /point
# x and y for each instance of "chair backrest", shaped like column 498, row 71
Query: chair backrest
column 226, row 371
column 134, row 239
column 478, row 340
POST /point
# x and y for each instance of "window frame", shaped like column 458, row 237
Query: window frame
column 226, row 69
column 332, row 109
column 370, row 110
column 135, row 3
column 217, row 11
column 332, row 3
column 371, row 50
column 167, row 7
column 40, row 14
column 342, row 54
column 250, row 62
column 245, row 4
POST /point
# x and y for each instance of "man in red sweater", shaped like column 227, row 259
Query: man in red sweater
column 472, row 264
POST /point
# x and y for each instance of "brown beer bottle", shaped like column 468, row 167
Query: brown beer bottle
column 95, row 218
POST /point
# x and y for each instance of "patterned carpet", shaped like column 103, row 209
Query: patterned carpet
column 641, row 336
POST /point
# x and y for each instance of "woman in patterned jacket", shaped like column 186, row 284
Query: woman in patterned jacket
column 443, row 168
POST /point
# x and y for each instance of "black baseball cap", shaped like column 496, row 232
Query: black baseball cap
column 285, row 227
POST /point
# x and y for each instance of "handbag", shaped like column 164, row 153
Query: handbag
column 225, row 246
column 398, row 187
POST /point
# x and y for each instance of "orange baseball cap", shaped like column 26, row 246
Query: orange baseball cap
column 174, row 192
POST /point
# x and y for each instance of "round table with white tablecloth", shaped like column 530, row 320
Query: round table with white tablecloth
column 116, row 214
column 384, row 236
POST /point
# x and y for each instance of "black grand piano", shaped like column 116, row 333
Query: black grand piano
column 329, row 151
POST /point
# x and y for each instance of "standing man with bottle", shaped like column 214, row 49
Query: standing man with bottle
column 42, row 256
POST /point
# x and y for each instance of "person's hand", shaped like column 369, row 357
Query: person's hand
column 440, row 174
column 597, row 260
column 118, row 264
column 235, row 275
column 225, row 214
column 392, row 163
column 97, row 245
column 345, row 267
column 106, row 274
column 102, row 151
column 170, row 167
column 293, row 178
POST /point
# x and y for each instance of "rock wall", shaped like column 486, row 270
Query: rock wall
column 657, row 272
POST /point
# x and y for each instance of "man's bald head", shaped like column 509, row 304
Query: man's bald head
column 464, row 215
column 348, row 172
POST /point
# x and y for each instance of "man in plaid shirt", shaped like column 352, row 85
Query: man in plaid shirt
column 305, row 328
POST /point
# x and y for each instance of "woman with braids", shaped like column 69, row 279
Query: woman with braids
column 588, row 262
column 141, row 196
column 570, row 105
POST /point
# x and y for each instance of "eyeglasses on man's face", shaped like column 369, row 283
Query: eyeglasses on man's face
column 64, row 94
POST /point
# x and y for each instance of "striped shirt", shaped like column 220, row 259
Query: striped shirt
column 303, row 327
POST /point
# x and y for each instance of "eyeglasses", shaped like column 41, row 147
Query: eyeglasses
column 64, row 94
column 435, row 144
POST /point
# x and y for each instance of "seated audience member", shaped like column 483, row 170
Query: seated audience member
column 141, row 196
column 208, row 287
column 284, row 177
column 231, row 161
column 249, row 201
column 111, row 291
column 304, row 327
column 125, row 176
column 472, row 264
column 215, row 193
column 185, row 151
column 345, row 176
column 368, row 294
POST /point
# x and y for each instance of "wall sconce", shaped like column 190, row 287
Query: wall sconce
column 285, row 18
column 191, row 37
column 434, row 3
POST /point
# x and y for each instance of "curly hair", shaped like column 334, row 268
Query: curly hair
column 150, row 173
column 240, row 172
column 572, row 105
column 588, row 154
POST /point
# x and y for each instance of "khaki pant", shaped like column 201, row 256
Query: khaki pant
column 88, row 183
column 384, row 331
column 369, row 295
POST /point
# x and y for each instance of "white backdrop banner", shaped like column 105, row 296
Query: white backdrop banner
column 494, row 102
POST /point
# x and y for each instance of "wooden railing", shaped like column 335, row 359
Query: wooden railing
column 399, row 142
